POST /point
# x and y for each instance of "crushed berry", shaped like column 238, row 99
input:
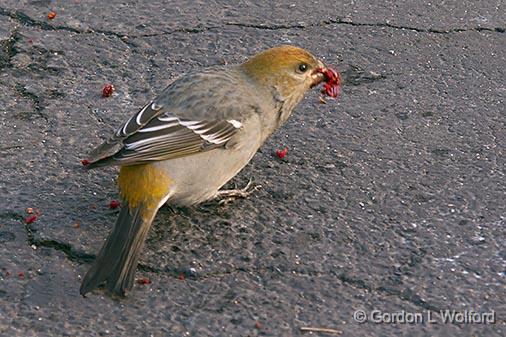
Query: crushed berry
column 30, row 219
column 282, row 153
column 107, row 90
column 144, row 281
column 332, row 84
column 85, row 162
column 114, row 204
column 21, row 274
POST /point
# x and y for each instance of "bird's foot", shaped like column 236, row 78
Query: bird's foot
column 226, row 196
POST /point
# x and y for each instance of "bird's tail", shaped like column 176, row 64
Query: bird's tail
column 117, row 261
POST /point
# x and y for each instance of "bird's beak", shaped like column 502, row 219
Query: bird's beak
column 331, row 77
column 318, row 75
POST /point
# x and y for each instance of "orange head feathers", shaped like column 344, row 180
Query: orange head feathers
column 290, row 69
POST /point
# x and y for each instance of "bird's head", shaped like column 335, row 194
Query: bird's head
column 291, row 70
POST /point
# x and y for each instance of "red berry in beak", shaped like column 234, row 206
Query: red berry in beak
column 332, row 84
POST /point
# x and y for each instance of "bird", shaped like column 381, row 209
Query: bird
column 184, row 145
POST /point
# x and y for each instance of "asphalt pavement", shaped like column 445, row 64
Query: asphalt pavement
column 390, row 200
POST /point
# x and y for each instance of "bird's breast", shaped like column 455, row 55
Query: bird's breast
column 198, row 177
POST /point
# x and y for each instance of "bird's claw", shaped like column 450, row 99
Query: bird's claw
column 227, row 196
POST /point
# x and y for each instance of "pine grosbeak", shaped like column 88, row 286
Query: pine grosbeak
column 183, row 146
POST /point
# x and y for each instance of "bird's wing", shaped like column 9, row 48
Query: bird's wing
column 195, row 113
column 161, row 136
column 131, row 126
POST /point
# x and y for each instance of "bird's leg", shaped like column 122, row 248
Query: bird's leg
column 226, row 196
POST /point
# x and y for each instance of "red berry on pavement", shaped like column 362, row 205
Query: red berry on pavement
column 30, row 219
column 144, row 280
column 282, row 153
column 107, row 90
column 114, row 204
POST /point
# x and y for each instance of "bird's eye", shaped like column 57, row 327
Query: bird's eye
column 303, row 67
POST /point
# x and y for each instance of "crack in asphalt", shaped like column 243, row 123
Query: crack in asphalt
column 36, row 100
column 192, row 30
column 8, row 50
column 269, row 27
column 26, row 20
column 66, row 248
column 415, row 29
column 340, row 21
